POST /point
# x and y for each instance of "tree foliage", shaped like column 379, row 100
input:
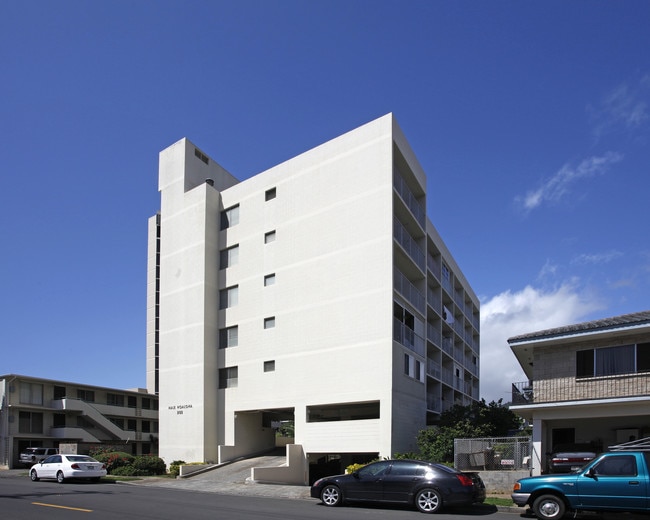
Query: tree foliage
column 466, row 422
column 494, row 419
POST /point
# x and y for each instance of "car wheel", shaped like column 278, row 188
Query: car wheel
column 331, row 495
column 59, row 477
column 549, row 507
column 33, row 475
column 428, row 501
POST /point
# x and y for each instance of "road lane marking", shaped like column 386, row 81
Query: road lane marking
column 63, row 507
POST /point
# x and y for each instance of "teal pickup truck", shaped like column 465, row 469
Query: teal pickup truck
column 613, row 481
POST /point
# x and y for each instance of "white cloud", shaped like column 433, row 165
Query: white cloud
column 597, row 258
column 625, row 106
column 561, row 183
column 510, row 314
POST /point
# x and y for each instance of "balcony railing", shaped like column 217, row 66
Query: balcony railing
column 408, row 337
column 409, row 291
column 409, row 244
column 409, row 199
column 572, row 389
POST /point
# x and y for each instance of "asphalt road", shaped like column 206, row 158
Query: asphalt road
column 21, row 499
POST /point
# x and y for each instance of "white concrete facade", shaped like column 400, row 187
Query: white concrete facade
column 290, row 311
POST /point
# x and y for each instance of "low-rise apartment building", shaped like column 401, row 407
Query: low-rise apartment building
column 48, row 413
column 589, row 383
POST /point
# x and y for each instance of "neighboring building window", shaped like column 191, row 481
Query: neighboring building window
column 117, row 422
column 132, row 401
column 269, row 366
column 611, row 361
column 58, row 420
column 86, row 395
column 31, row 393
column 229, row 337
column 230, row 217
column 114, row 399
column 269, row 279
column 269, row 323
column 229, row 257
column 82, row 422
column 131, row 424
column 270, row 194
column 343, row 412
column 146, row 427
column 59, row 392
column 269, row 237
column 30, row 422
column 228, row 297
column 228, row 377
column 146, row 403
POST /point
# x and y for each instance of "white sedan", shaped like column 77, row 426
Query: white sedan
column 61, row 467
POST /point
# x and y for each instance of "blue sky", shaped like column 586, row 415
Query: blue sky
column 531, row 119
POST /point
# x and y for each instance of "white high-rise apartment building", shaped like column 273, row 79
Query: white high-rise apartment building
column 316, row 293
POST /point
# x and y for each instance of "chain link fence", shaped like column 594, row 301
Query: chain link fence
column 493, row 453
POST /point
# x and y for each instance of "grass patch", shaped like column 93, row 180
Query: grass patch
column 498, row 501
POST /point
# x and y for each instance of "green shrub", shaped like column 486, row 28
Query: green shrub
column 354, row 467
column 123, row 471
column 114, row 460
column 175, row 467
column 149, row 465
column 408, row 455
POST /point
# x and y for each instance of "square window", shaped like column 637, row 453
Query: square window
column 269, row 279
column 269, row 237
column 269, row 366
column 228, row 377
column 270, row 194
column 269, row 323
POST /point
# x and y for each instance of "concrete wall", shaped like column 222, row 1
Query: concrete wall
column 501, row 482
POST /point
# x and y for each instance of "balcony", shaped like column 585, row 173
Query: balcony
column 408, row 337
column 572, row 389
column 409, row 291
column 409, row 244
column 409, row 199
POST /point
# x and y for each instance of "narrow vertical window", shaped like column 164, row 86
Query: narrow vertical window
column 270, row 194
column 269, row 279
column 229, row 337
column 269, row 366
column 269, row 236
column 269, row 323
column 229, row 257
column 228, row 297
column 230, row 217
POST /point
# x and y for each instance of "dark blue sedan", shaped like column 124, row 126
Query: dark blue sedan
column 426, row 485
